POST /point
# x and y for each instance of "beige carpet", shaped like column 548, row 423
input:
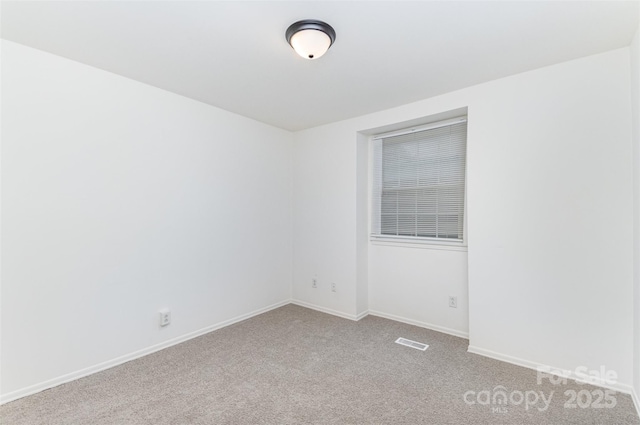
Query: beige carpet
column 297, row 366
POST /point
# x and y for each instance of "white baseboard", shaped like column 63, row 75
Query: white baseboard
column 623, row 388
column 329, row 311
column 418, row 323
column 36, row 388
column 362, row 315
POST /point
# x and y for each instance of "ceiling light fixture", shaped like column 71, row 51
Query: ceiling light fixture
column 310, row 38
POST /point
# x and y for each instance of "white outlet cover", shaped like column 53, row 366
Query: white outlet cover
column 165, row 317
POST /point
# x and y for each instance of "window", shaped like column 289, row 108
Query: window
column 419, row 183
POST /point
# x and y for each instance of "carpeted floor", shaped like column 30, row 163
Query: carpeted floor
column 298, row 366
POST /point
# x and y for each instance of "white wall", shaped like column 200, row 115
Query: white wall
column 549, row 208
column 324, row 218
column 635, row 108
column 362, row 225
column 120, row 199
column 550, row 184
column 414, row 284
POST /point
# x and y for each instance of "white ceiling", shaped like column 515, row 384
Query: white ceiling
column 233, row 54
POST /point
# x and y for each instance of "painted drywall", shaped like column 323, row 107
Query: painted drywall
column 120, row 199
column 324, row 219
column 414, row 284
column 549, row 182
column 362, row 225
column 634, row 50
column 331, row 237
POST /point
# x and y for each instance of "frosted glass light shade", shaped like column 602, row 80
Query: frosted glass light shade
column 310, row 38
column 310, row 44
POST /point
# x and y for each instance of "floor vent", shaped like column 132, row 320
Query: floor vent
column 412, row 344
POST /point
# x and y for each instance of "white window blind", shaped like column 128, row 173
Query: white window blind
column 419, row 182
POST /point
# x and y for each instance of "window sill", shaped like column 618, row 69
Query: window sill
column 419, row 244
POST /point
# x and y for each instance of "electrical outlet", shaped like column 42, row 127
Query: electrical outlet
column 165, row 317
column 314, row 282
column 333, row 287
column 453, row 302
